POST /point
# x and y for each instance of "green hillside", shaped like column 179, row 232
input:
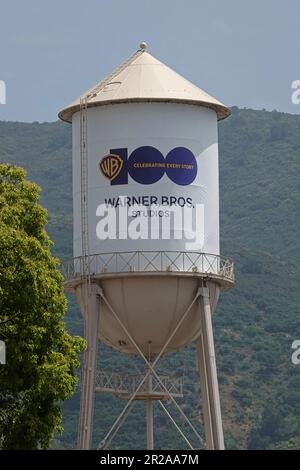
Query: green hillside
column 255, row 323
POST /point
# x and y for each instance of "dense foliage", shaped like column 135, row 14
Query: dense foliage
column 41, row 354
column 255, row 323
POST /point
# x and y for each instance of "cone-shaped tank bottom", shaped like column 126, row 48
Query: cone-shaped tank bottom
column 150, row 308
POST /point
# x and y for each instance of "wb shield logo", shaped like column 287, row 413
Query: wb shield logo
column 110, row 166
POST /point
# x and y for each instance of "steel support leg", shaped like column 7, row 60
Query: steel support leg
column 149, row 405
column 204, row 393
column 208, row 377
column 91, row 318
column 150, row 443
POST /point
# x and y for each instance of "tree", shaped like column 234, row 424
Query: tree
column 41, row 355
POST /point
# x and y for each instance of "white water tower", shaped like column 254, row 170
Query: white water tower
column 147, row 270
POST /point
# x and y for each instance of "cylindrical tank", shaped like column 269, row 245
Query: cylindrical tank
column 165, row 135
column 152, row 164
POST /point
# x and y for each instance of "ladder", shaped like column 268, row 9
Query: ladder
column 85, row 255
column 84, row 156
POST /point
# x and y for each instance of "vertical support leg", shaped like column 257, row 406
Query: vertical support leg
column 150, row 443
column 210, row 382
column 91, row 318
column 204, row 393
column 149, row 405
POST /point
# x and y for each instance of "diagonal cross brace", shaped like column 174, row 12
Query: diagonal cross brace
column 152, row 366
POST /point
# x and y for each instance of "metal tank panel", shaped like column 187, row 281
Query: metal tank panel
column 164, row 127
column 150, row 308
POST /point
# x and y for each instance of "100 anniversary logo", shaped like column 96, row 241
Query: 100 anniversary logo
column 147, row 165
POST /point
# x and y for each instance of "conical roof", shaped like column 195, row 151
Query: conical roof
column 146, row 79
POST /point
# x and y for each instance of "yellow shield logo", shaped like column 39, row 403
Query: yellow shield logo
column 110, row 166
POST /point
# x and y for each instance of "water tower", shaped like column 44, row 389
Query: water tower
column 147, row 270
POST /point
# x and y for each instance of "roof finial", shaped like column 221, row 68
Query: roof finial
column 143, row 46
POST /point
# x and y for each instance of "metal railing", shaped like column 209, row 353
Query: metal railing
column 112, row 382
column 151, row 261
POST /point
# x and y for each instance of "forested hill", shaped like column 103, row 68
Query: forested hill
column 256, row 322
